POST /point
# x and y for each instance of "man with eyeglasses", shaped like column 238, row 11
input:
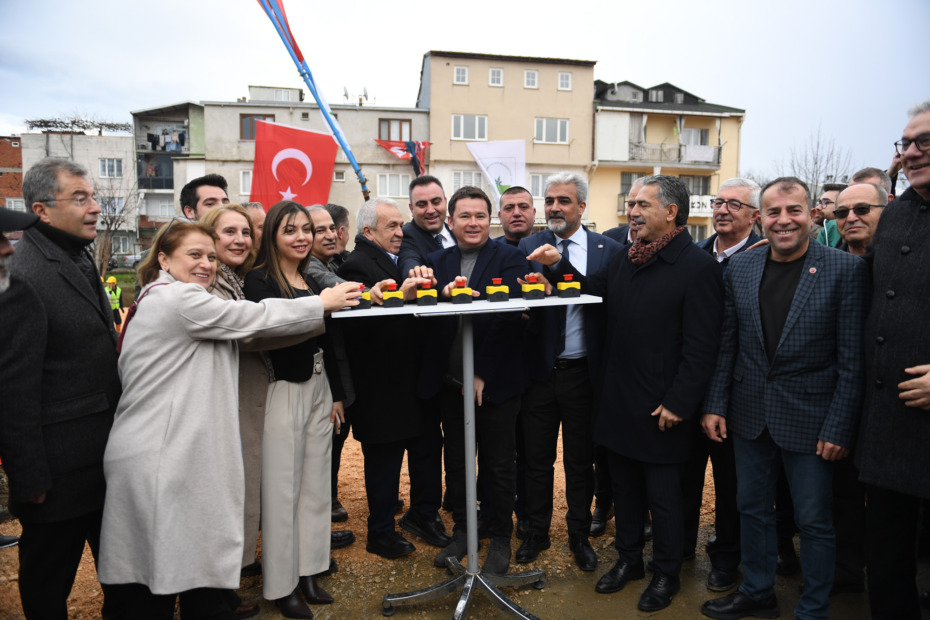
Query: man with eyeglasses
column 829, row 235
column 736, row 209
column 58, row 369
column 892, row 453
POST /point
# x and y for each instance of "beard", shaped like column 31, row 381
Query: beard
column 5, row 262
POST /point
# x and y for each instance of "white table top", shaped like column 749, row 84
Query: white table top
column 478, row 306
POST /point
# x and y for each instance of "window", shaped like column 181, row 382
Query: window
column 697, row 186
column 679, row 97
column 111, row 168
column 120, row 245
column 14, row 144
column 245, row 182
column 627, row 179
column 16, row 204
column 530, row 79
column 461, row 75
column 394, row 185
column 111, row 206
column 698, row 232
column 552, row 130
column 695, row 136
column 565, row 81
column 469, row 127
column 538, row 185
column 394, row 129
column 656, row 96
column 247, row 124
column 461, row 178
column 496, row 77
column 281, row 94
column 339, row 176
column 165, row 208
column 305, row 116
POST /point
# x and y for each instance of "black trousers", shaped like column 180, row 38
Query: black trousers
column 603, row 485
column 564, row 399
column 383, row 462
column 339, row 440
column 134, row 601
column 891, row 526
column 849, row 522
column 49, row 555
column 638, row 486
column 495, row 436
column 724, row 548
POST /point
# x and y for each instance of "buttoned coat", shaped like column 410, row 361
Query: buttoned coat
column 663, row 324
column 173, row 514
column 892, row 450
column 59, row 383
column 813, row 388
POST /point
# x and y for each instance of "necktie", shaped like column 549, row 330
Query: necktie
column 439, row 241
column 563, row 313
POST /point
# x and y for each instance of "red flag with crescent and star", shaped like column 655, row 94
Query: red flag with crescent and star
column 291, row 164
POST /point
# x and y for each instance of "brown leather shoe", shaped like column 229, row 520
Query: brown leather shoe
column 312, row 591
column 246, row 609
column 292, row 607
column 340, row 514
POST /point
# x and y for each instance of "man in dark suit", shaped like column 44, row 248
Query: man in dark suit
column 387, row 419
column 497, row 388
column 60, row 385
column 736, row 209
column 517, row 215
column 625, row 235
column 427, row 232
column 664, row 304
column 788, row 384
column 561, row 351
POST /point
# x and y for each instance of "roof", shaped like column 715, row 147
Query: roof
column 660, row 108
column 552, row 61
column 165, row 108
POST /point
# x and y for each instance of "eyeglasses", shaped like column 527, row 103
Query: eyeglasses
column 922, row 142
column 861, row 210
column 825, row 202
column 80, row 201
column 733, row 204
column 161, row 238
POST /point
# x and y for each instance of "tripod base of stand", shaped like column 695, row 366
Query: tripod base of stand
column 469, row 582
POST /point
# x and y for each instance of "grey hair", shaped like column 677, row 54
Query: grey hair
column 638, row 183
column 920, row 108
column 253, row 205
column 316, row 207
column 339, row 214
column 368, row 213
column 740, row 182
column 565, row 177
column 672, row 190
column 866, row 173
column 40, row 183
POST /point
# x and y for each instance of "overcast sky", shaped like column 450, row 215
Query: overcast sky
column 850, row 67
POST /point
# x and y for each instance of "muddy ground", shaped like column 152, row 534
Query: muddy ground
column 363, row 579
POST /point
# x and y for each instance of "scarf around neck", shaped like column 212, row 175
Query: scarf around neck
column 640, row 253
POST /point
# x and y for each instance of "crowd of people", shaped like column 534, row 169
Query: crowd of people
column 788, row 348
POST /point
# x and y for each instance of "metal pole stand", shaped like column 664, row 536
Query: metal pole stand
column 470, row 578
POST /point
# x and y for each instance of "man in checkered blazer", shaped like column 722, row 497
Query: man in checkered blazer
column 788, row 385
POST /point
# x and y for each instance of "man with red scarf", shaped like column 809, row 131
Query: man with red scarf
column 664, row 305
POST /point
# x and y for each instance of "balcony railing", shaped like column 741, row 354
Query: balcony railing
column 156, row 182
column 675, row 153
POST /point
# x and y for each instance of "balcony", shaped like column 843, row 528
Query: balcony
column 699, row 155
column 156, row 182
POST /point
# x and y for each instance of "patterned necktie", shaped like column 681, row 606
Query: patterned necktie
column 439, row 241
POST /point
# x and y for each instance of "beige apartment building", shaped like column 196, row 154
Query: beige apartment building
column 660, row 130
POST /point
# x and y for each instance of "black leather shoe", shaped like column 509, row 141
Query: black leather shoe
column 333, row 568
column 340, row 539
column 737, row 605
column 339, row 512
column 498, row 560
column 457, row 548
column 720, row 580
column 313, row 593
column 617, row 577
column 659, row 593
column 292, row 607
column 599, row 519
column 532, row 545
column 433, row 532
column 389, row 546
column 252, row 570
column 787, row 563
column 523, row 528
column 584, row 554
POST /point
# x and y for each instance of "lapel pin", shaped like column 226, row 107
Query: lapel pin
column 813, row 270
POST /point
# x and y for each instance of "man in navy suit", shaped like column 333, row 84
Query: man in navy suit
column 788, row 384
column 497, row 353
column 427, row 232
column 561, row 348
column 736, row 209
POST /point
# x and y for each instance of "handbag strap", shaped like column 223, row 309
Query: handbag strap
column 132, row 313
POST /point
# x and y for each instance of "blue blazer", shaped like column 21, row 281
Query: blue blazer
column 498, row 355
column 542, row 336
column 416, row 246
column 813, row 389
column 708, row 246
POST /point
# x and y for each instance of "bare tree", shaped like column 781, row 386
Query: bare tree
column 118, row 199
column 819, row 161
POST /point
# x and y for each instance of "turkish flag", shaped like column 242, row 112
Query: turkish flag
column 291, row 164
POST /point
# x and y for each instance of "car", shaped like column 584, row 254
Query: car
column 132, row 260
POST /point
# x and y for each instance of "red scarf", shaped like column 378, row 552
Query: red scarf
column 640, row 253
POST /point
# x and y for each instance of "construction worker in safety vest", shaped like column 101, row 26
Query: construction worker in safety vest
column 116, row 299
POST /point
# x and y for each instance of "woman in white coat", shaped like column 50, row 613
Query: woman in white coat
column 172, row 520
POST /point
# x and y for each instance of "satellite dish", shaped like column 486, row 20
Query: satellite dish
column 365, row 93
